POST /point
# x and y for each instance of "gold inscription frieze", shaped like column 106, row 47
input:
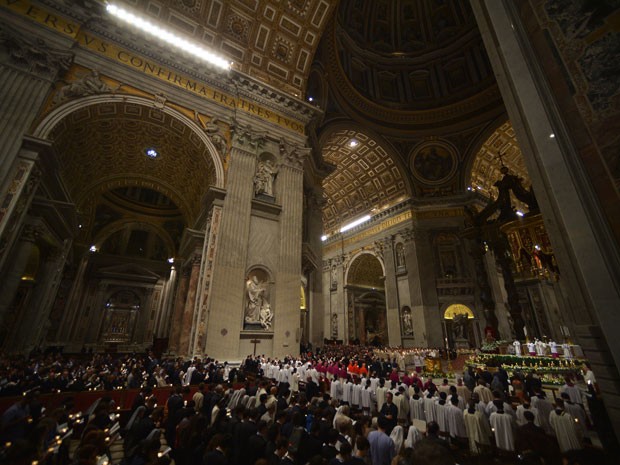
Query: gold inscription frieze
column 147, row 66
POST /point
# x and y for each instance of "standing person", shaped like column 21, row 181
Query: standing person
column 381, row 445
column 563, row 426
column 454, row 417
column 502, row 426
column 477, row 427
column 484, row 393
column 389, row 411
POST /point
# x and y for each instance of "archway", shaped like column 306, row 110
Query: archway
column 366, row 305
column 459, row 326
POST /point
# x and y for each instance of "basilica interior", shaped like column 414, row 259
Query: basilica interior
column 416, row 173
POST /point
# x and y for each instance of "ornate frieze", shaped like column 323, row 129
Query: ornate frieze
column 33, row 56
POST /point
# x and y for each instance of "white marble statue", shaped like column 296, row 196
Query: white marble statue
column 256, row 300
column 266, row 316
column 407, row 323
column 263, row 179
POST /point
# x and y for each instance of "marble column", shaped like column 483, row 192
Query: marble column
column 13, row 275
column 34, row 322
column 227, row 285
column 28, row 68
column 391, row 292
column 190, row 305
column 162, row 322
column 290, row 196
column 423, row 289
column 179, row 306
column 585, row 247
column 71, row 310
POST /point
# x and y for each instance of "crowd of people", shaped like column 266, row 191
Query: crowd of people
column 342, row 405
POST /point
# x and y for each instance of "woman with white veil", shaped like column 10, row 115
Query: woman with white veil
column 397, row 437
column 413, row 436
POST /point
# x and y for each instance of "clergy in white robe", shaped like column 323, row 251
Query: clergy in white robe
column 578, row 413
column 367, row 399
column 430, row 408
column 356, row 394
column 440, row 412
column 526, row 407
column 380, row 395
column 544, row 407
column 563, row 425
column 416, row 406
column 574, row 393
column 402, row 404
column 484, row 393
column 454, row 417
column 477, row 428
column 335, row 390
column 502, row 426
column 347, row 388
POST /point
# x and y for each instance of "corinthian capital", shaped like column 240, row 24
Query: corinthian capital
column 292, row 154
column 33, row 56
column 245, row 136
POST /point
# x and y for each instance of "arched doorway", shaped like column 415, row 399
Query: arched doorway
column 366, row 309
column 459, row 325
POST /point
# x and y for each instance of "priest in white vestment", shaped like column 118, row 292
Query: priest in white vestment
column 544, row 407
column 416, row 406
column 564, row 427
column 454, row 418
column 484, row 393
column 430, row 408
column 578, row 413
column 502, row 426
column 477, row 428
column 526, row 407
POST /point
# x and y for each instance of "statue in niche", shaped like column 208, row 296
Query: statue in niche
column 407, row 323
column 459, row 326
column 334, row 278
column 258, row 310
column 264, row 177
column 334, row 323
column 400, row 256
column 266, row 316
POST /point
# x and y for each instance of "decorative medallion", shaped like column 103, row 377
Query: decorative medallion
column 433, row 162
column 224, row 332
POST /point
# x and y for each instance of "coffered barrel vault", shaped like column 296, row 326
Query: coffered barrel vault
column 149, row 199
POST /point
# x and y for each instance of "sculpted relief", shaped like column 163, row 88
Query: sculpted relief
column 258, row 311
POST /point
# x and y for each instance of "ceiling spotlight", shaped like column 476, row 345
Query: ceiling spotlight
column 93, row 248
column 310, row 99
column 151, row 153
column 468, row 188
column 519, row 213
column 323, row 238
column 355, row 223
column 353, row 143
column 167, row 36
column 537, row 247
column 171, row 260
column 552, row 136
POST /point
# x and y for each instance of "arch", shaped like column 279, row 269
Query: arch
column 119, row 225
column 458, row 309
column 356, row 256
column 371, row 173
column 49, row 122
column 473, row 149
column 107, row 183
